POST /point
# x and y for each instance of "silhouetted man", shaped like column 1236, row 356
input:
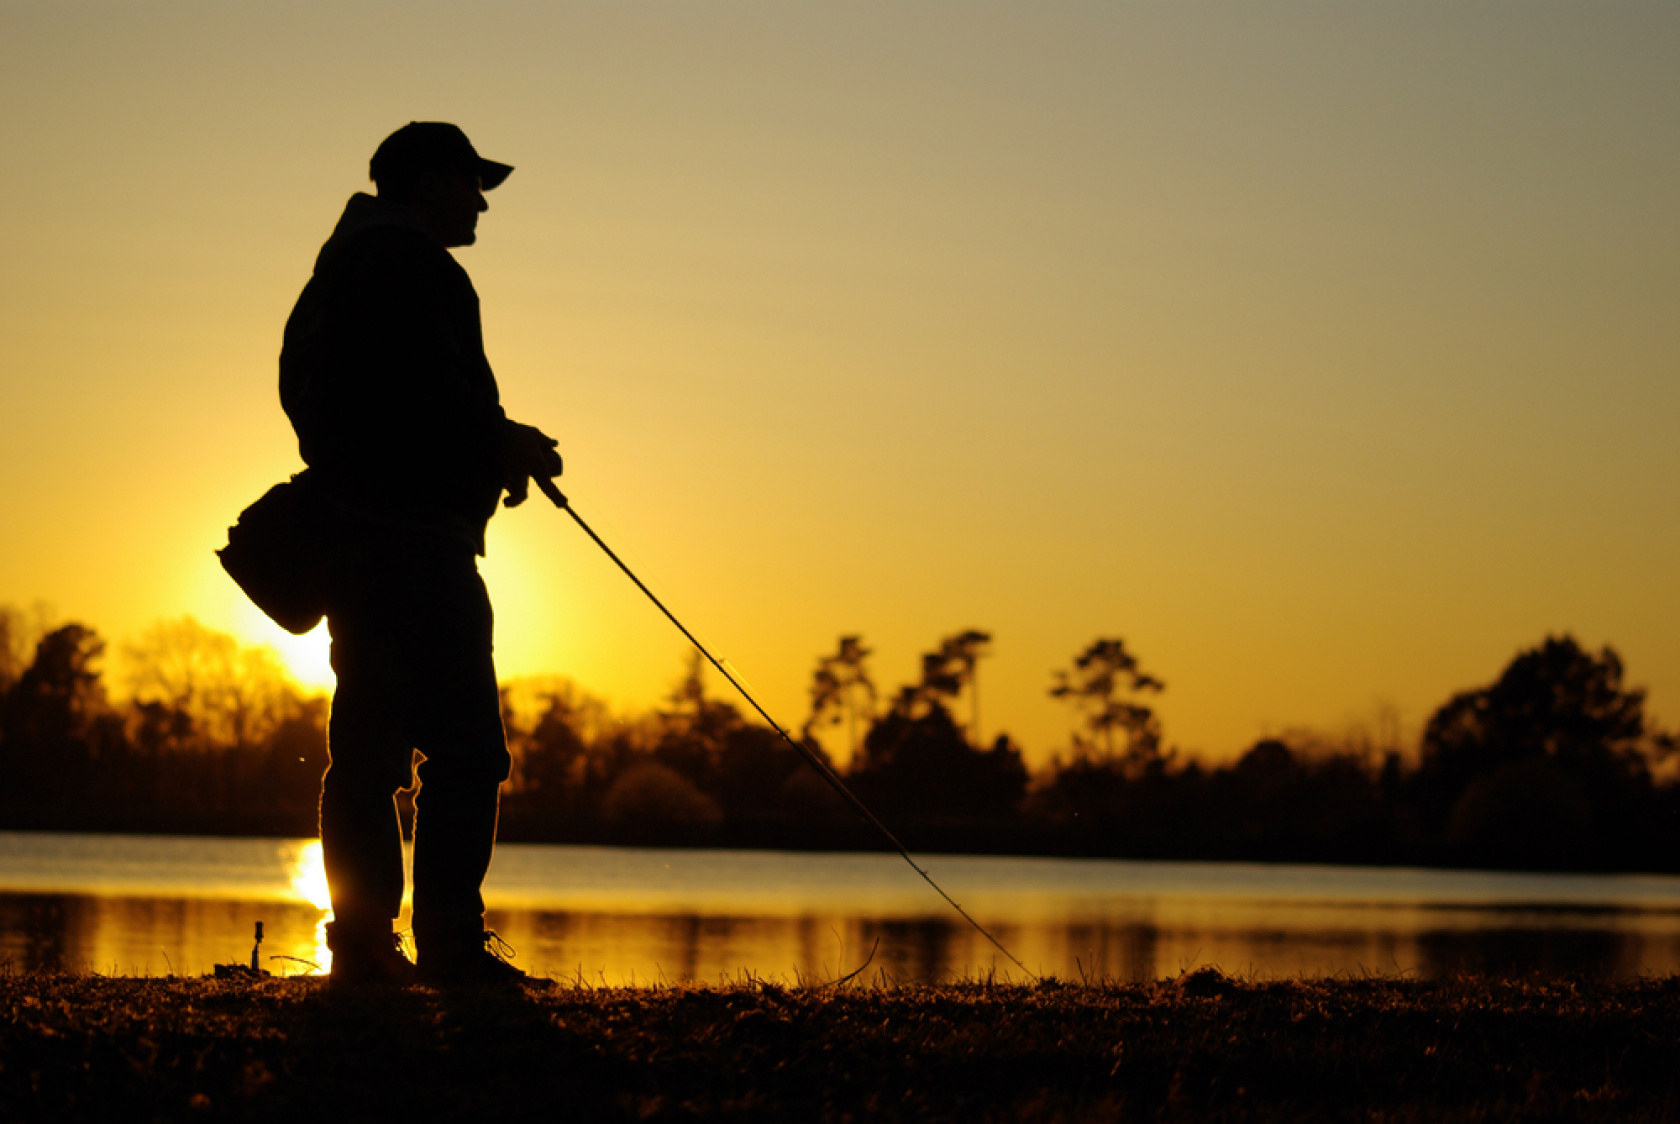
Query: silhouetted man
column 384, row 378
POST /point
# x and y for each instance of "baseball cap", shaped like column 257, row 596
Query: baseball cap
column 422, row 146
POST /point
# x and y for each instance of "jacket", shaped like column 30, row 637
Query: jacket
column 384, row 378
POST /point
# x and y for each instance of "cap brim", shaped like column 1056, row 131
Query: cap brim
column 491, row 174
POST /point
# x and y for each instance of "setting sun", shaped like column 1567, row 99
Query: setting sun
column 307, row 658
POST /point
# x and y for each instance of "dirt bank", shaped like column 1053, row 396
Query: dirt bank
column 1201, row 1048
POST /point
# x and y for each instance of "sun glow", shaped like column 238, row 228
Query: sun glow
column 308, row 658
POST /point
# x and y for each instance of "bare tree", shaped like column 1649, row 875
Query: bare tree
column 945, row 672
column 20, row 632
column 1107, row 686
column 841, row 690
column 954, row 666
column 12, row 657
column 235, row 695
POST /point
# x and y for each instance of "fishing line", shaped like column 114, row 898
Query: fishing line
column 555, row 497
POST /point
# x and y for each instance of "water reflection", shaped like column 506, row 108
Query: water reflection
column 620, row 948
column 1582, row 952
column 153, row 907
column 151, row 936
column 1124, row 952
column 159, row 936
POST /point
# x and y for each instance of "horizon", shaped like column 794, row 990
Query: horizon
column 156, row 664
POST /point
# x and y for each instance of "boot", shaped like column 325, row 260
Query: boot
column 364, row 957
column 470, row 966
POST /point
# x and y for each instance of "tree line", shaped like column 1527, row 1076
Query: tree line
column 1553, row 765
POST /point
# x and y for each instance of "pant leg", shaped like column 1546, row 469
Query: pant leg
column 459, row 732
column 371, row 756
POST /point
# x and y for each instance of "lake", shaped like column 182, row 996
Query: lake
column 156, row 905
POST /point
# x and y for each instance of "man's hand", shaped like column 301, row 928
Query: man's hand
column 529, row 454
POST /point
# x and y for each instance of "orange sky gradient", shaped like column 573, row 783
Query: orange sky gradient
column 1327, row 353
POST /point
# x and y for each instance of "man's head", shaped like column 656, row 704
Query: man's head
column 431, row 167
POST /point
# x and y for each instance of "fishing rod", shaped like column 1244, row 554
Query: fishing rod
column 560, row 501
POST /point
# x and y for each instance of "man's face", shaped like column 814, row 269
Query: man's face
column 450, row 203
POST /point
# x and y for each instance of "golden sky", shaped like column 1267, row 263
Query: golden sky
column 1328, row 353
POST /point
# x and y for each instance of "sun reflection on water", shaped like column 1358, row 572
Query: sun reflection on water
column 322, row 956
column 308, row 876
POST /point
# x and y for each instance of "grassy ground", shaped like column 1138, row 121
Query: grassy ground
column 1203, row 1047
